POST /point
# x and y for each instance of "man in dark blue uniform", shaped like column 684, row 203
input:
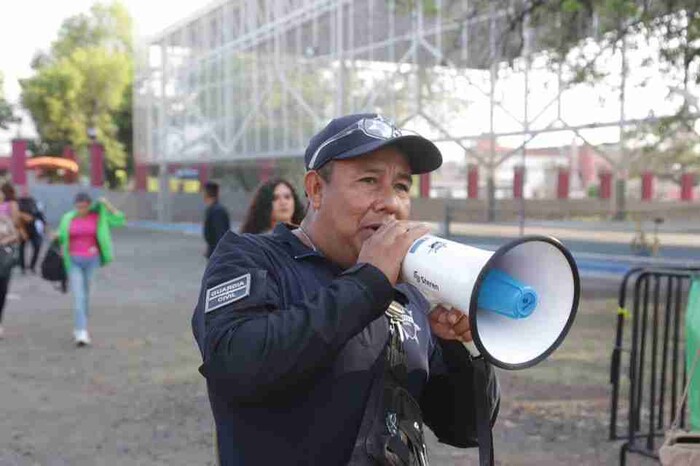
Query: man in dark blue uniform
column 313, row 350
column 216, row 220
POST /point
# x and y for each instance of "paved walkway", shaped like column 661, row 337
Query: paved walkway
column 685, row 235
column 136, row 398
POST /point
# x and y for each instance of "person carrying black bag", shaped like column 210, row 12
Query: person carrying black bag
column 9, row 238
column 52, row 268
column 34, row 223
column 313, row 349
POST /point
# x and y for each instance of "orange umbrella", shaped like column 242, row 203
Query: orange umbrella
column 52, row 162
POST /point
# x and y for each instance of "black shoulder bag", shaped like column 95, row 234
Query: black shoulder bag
column 398, row 438
column 401, row 441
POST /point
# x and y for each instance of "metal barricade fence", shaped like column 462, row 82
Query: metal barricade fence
column 658, row 307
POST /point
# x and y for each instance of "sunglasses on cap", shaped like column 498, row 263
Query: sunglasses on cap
column 377, row 127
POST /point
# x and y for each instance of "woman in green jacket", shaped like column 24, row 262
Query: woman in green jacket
column 86, row 243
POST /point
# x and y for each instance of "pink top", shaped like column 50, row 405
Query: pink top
column 83, row 236
column 5, row 208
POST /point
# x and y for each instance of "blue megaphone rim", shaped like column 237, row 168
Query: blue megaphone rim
column 473, row 304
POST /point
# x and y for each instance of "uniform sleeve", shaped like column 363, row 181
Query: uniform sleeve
column 448, row 398
column 258, row 349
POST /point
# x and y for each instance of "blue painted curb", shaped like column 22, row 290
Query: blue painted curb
column 190, row 228
column 587, row 266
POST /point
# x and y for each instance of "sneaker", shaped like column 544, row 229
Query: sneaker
column 81, row 337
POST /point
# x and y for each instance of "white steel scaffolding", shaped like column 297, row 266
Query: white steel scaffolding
column 252, row 79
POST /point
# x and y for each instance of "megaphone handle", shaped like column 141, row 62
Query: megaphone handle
column 473, row 350
column 471, row 347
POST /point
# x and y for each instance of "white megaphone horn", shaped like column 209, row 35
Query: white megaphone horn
column 521, row 299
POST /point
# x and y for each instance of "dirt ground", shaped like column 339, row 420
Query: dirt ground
column 135, row 397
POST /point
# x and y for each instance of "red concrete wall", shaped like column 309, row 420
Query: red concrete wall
column 647, row 186
column 605, row 191
column 563, row 183
column 141, row 177
column 424, row 186
column 97, row 165
column 518, row 182
column 267, row 170
column 473, row 182
column 69, row 154
column 687, row 182
column 203, row 173
column 18, row 162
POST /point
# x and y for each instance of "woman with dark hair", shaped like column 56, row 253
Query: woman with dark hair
column 274, row 202
column 86, row 243
column 10, row 206
column 10, row 222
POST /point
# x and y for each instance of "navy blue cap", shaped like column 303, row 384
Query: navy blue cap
column 355, row 135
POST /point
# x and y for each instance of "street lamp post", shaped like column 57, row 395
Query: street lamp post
column 92, row 134
column 96, row 159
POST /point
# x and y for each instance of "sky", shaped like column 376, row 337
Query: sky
column 30, row 25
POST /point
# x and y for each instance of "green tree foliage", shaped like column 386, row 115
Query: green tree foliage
column 582, row 35
column 85, row 81
column 564, row 28
column 560, row 27
column 564, row 25
column 671, row 144
column 6, row 113
column 107, row 25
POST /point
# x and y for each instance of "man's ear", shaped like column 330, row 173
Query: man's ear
column 314, row 185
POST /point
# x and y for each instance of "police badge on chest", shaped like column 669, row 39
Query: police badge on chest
column 401, row 321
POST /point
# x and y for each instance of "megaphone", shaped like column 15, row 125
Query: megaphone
column 521, row 299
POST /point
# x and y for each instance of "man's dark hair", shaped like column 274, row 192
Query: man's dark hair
column 326, row 171
column 212, row 189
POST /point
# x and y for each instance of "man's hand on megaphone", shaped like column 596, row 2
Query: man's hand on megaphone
column 387, row 247
column 450, row 324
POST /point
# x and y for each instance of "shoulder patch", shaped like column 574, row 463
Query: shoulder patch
column 227, row 293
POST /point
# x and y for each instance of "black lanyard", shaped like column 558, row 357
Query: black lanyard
column 396, row 353
column 396, row 372
column 403, row 418
column 396, row 368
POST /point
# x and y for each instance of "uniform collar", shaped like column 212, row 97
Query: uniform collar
column 283, row 233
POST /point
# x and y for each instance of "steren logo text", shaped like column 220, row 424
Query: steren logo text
column 423, row 281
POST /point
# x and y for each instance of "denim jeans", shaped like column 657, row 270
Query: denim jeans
column 81, row 271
